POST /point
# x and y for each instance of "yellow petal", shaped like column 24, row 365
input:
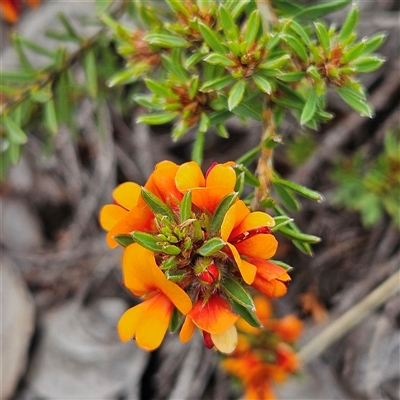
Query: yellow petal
column 154, row 322
column 261, row 246
column 223, row 176
column 188, row 176
column 234, row 216
column 129, row 321
column 226, row 341
column 127, row 194
column 247, row 270
column 110, row 215
column 187, row 330
column 164, row 179
column 253, row 220
column 177, row 295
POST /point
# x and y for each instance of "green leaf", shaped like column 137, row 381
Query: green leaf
column 296, row 45
column 157, row 119
column 239, row 185
column 204, row 123
column 160, row 89
column 291, row 76
column 178, row 7
column 193, row 59
column 353, row 53
column 164, row 40
column 296, row 27
column 321, row 9
column 236, row 94
column 122, row 77
column 302, row 237
column 15, row 134
column 124, row 240
column 50, row 117
column 281, row 264
column 211, row 246
column 211, row 38
column 73, row 36
column 304, row 191
column 185, row 209
column 323, row 37
column 281, row 221
column 23, row 59
column 309, row 107
column 355, row 100
column 373, row 42
column 247, row 314
column 156, row 205
column 176, row 320
column 253, row 25
column 147, row 241
column 250, row 179
column 368, row 64
column 262, row 83
column 174, row 66
column 220, row 211
column 222, row 131
column 91, row 73
column 228, row 24
column 17, row 76
column 237, row 293
column 35, row 47
column 287, row 198
column 171, row 250
column 219, row 59
column 275, row 63
column 216, row 84
column 349, row 24
column 247, row 158
column 198, row 148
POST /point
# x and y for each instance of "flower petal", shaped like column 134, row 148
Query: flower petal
column 253, row 220
column 226, row 341
column 139, row 218
column 215, row 316
column 187, row 330
column 189, row 176
column 261, row 246
column 247, row 270
column 164, row 179
column 209, row 198
column 222, row 176
column 129, row 321
column 154, row 322
column 234, row 216
column 127, row 194
column 110, row 215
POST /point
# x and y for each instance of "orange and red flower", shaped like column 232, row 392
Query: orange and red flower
column 11, row 9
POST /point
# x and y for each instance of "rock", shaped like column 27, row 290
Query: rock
column 80, row 355
column 17, row 325
column 21, row 229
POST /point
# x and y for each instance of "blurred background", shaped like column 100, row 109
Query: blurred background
column 61, row 295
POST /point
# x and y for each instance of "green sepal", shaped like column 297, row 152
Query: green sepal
column 176, row 320
column 156, row 205
column 168, row 264
column 237, row 293
column 247, row 314
column 176, row 276
column 164, row 40
column 239, row 186
column 170, row 249
column 220, row 211
column 185, row 209
column 124, row 240
column 236, row 94
column 211, row 246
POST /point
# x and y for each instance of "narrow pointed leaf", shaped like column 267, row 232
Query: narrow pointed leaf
column 15, row 134
column 349, row 24
column 211, row 38
column 237, row 293
column 287, row 198
column 216, row 84
column 302, row 237
column 124, row 240
column 211, row 246
column 220, row 211
column 253, row 25
column 157, row 119
column 355, row 100
column 156, row 205
column 91, row 73
column 147, row 241
column 236, row 94
column 247, row 314
column 50, row 116
column 304, row 191
column 262, row 83
column 164, row 40
column 186, row 207
column 198, row 148
column 281, row 264
column 309, row 108
column 219, row 59
column 323, row 36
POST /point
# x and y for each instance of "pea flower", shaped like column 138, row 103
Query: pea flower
column 10, row 9
column 187, row 237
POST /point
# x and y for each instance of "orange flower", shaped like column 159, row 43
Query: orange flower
column 288, row 328
column 149, row 321
column 10, row 9
column 248, row 237
column 215, row 318
column 270, row 280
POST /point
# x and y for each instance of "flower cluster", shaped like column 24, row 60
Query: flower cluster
column 264, row 355
column 192, row 249
column 10, row 9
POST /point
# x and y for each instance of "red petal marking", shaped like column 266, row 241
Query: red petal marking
column 207, row 340
column 211, row 167
column 252, row 232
